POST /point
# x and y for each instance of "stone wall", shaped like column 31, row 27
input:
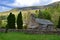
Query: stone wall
column 31, row 31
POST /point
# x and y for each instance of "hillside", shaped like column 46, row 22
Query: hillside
column 53, row 9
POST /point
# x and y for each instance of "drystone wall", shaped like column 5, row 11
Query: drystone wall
column 31, row 31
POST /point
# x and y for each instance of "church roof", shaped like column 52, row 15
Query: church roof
column 43, row 21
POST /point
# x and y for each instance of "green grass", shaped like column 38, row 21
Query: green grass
column 22, row 36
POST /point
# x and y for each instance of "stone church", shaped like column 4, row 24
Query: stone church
column 41, row 24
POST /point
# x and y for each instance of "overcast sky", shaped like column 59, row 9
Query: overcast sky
column 9, row 4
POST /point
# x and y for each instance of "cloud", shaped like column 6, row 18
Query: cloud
column 2, row 8
column 45, row 2
column 55, row 0
column 9, row 4
column 23, row 3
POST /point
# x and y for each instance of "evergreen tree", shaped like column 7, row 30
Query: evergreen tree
column 58, row 26
column 11, row 21
column 19, row 21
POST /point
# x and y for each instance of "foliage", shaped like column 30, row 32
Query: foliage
column 11, row 21
column 0, row 23
column 19, row 21
column 44, row 15
column 36, row 13
column 25, row 26
column 40, row 15
column 3, row 17
column 47, row 15
column 58, row 26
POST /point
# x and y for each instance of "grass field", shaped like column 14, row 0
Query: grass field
column 22, row 36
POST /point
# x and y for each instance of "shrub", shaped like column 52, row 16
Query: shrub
column 25, row 26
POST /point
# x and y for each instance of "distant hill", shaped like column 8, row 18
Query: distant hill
column 38, row 7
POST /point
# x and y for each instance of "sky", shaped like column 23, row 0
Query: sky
column 6, row 5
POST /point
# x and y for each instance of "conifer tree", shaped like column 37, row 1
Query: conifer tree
column 19, row 21
column 11, row 21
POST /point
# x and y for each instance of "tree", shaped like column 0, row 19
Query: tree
column 19, row 21
column 36, row 13
column 47, row 15
column 11, row 21
column 40, row 15
column 44, row 15
column 58, row 26
column 0, row 23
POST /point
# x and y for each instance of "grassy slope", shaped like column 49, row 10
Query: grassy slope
column 22, row 36
column 54, row 12
column 24, row 14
